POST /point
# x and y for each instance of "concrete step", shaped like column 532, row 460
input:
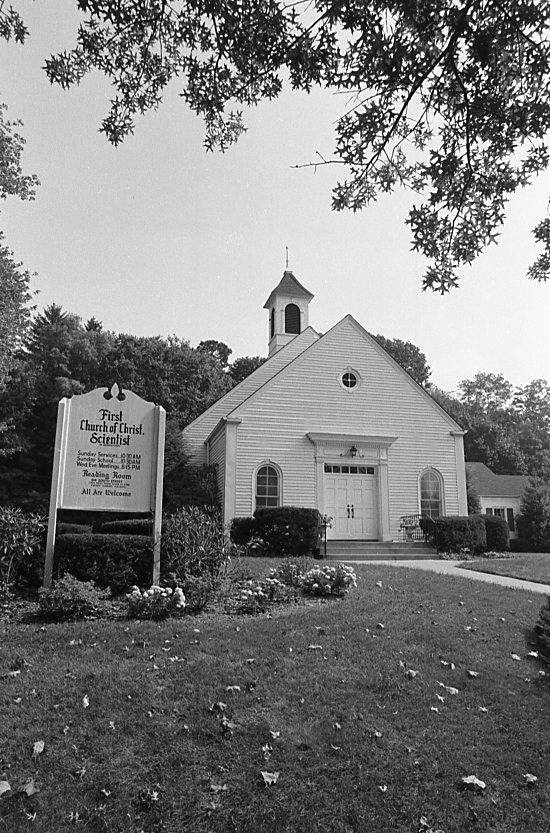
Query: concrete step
column 370, row 550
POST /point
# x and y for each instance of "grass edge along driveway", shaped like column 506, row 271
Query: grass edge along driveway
column 368, row 710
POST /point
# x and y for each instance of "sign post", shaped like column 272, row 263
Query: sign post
column 109, row 456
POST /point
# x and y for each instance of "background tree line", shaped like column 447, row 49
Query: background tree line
column 59, row 355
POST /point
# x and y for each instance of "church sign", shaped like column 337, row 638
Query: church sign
column 109, row 454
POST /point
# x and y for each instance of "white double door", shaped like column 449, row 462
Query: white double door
column 351, row 501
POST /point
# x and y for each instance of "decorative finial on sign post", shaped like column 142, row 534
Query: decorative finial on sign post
column 286, row 247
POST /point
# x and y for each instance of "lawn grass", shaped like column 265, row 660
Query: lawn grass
column 533, row 566
column 359, row 748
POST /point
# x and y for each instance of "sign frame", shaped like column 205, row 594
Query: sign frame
column 59, row 472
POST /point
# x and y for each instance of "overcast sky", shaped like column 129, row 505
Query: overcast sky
column 158, row 237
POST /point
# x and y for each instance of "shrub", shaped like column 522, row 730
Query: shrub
column 130, row 526
column 21, row 547
column 542, row 631
column 188, row 485
column 460, row 532
column 289, row 530
column 242, row 531
column 155, row 603
column 194, row 543
column 115, row 561
column 196, row 589
column 292, row 573
column 497, row 533
column 427, row 525
column 73, row 529
column 255, row 595
column 329, row 581
column 533, row 524
column 69, row 598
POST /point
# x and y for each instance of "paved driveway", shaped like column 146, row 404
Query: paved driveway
column 451, row 568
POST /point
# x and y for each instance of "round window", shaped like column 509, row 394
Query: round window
column 349, row 379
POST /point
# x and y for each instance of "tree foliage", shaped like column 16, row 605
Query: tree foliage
column 507, row 428
column 244, row 366
column 409, row 356
column 61, row 357
column 447, row 98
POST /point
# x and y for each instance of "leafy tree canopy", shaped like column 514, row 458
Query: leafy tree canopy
column 447, row 98
column 244, row 366
column 409, row 356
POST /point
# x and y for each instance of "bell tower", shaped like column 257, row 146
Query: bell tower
column 288, row 311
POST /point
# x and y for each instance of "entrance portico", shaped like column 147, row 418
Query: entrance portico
column 351, row 481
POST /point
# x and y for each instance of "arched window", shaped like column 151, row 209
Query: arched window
column 431, row 494
column 292, row 319
column 268, row 486
column 272, row 322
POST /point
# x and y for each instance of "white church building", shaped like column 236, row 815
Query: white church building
column 331, row 421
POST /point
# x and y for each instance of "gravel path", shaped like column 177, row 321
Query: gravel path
column 451, row 568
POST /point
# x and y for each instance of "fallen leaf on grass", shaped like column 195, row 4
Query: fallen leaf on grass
column 483, row 709
column 534, row 654
column 515, row 656
column 106, row 793
column 266, row 751
column 30, row 788
column 412, row 674
column 13, row 673
column 473, row 673
column 315, row 647
column 335, row 748
column 4, row 787
column 530, row 778
column 274, row 734
column 440, row 698
column 233, row 688
column 473, row 783
column 449, row 688
column 383, row 788
column 227, row 725
column 218, row 788
column 85, row 701
column 381, row 626
column 38, row 748
column 379, row 584
column 270, row 777
column 217, row 707
column 434, row 709
column 336, row 726
column 450, row 665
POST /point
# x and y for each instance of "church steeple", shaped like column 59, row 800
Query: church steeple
column 288, row 311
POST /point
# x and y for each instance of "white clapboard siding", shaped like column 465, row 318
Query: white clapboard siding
column 216, row 457
column 196, row 433
column 307, row 396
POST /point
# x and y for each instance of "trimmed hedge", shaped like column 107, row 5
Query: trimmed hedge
column 497, row 533
column 458, row 532
column 132, row 526
column 242, row 531
column 115, row 561
column 73, row 529
column 289, row 530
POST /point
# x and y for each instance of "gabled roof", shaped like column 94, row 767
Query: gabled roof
column 488, row 483
column 288, row 285
column 204, row 424
column 453, row 424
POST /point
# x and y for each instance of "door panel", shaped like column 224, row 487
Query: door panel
column 351, row 500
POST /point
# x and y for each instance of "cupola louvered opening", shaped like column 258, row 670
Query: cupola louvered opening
column 292, row 319
column 272, row 323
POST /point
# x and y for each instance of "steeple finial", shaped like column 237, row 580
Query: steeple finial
column 286, row 247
